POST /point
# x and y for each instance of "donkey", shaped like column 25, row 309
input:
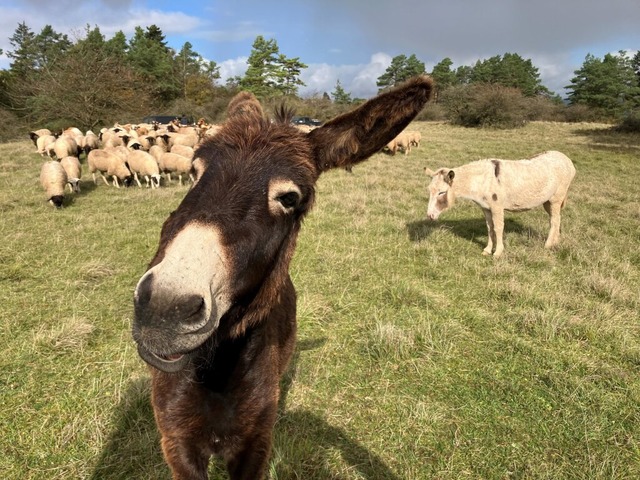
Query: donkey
column 499, row 185
column 215, row 313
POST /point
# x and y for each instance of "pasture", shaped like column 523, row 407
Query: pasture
column 417, row 357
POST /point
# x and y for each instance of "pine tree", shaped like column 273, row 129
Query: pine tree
column 444, row 77
column 401, row 69
column 609, row 84
column 340, row 96
column 260, row 77
column 289, row 75
column 150, row 57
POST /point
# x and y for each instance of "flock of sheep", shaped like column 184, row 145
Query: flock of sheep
column 128, row 153
column 122, row 154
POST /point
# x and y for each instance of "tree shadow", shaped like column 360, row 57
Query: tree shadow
column 302, row 440
column 474, row 230
column 610, row 139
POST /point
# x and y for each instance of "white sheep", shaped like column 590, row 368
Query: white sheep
column 53, row 179
column 112, row 162
column 173, row 163
column 144, row 164
column 498, row 185
column 43, row 143
column 91, row 142
column 183, row 150
column 35, row 134
column 73, row 169
column 65, row 146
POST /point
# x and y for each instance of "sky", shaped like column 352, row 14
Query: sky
column 354, row 41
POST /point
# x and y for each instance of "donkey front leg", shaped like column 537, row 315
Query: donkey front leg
column 553, row 209
column 497, row 215
column 490, row 232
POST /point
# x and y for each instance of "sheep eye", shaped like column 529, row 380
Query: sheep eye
column 289, row 199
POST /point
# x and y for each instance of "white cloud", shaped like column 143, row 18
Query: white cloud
column 357, row 80
column 232, row 68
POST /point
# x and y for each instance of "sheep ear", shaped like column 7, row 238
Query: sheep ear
column 356, row 135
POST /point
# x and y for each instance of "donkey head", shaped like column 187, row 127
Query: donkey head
column 224, row 253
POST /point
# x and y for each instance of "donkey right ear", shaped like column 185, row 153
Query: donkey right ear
column 449, row 177
column 356, row 135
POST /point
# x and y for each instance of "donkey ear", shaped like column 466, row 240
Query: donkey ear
column 356, row 135
column 244, row 104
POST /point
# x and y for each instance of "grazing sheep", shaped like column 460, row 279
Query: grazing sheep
column 34, row 135
column 499, row 185
column 73, row 169
column 91, row 142
column 415, row 137
column 173, row 163
column 144, row 164
column 183, row 150
column 65, row 146
column 112, row 162
column 53, row 179
column 156, row 151
column 43, row 143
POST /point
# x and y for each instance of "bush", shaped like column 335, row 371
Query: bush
column 630, row 124
column 485, row 105
column 12, row 127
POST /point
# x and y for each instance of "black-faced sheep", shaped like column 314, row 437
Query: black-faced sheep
column 73, row 169
column 35, row 134
column 144, row 164
column 110, row 162
column 65, row 146
column 53, row 179
column 173, row 163
column 43, row 143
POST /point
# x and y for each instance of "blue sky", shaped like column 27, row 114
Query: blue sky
column 354, row 41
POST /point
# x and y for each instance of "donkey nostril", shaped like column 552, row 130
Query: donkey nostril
column 189, row 309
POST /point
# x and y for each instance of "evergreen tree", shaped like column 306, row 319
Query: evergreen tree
column 340, row 96
column 289, row 75
column 117, row 45
column 24, row 53
column 49, row 46
column 609, row 84
column 150, row 57
column 510, row 70
column 261, row 75
column 444, row 77
column 401, row 69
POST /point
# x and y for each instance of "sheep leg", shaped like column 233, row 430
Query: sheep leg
column 105, row 179
column 115, row 182
column 135, row 177
column 490, row 232
column 553, row 209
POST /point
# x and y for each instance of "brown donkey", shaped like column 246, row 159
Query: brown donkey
column 215, row 313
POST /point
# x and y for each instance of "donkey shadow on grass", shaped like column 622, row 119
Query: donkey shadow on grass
column 474, row 230
column 302, row 441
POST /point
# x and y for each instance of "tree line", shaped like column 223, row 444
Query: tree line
column 93, row 81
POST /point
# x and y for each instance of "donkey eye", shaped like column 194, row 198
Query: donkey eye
column 289, row 199
column 441, row 193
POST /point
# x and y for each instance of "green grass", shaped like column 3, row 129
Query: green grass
column 417, row 358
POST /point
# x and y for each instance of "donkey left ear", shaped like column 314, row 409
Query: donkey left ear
column 356, row 135
column 244, row 104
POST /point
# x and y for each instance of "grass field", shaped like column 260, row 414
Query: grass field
column 417, row 358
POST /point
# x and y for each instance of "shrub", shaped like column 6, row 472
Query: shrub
column 485, row 105
column 630, row 124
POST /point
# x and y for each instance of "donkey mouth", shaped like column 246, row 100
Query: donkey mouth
column 167, row 363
